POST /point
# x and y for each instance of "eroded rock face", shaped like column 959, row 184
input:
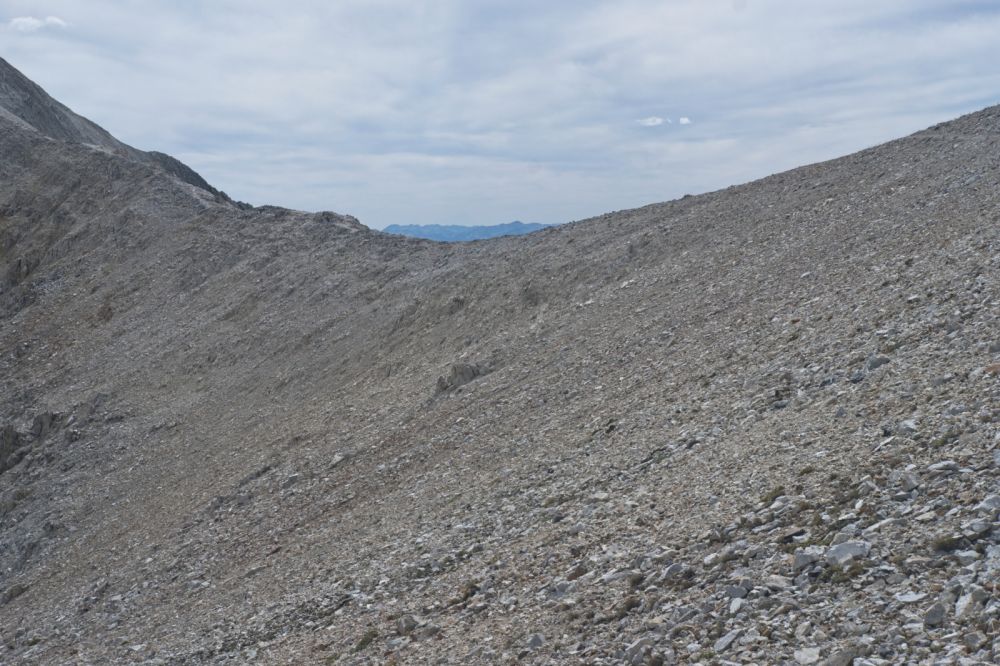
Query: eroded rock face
column 461, row 374
column 758, row 425
column 10, row 444
column 44, row 423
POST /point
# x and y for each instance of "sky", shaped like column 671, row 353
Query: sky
column 483, row 112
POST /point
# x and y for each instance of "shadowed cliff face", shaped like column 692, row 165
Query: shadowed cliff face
column 231, row 434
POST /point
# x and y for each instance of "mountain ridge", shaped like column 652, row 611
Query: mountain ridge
column 24, row 100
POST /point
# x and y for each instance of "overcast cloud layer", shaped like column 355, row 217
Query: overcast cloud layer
column 485, row 112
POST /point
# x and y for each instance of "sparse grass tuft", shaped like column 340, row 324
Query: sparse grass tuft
column 772, row 494
column 946, row 544
column 837, row 575
column 366, row 640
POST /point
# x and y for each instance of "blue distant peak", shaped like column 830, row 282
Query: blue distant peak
column 454, row 232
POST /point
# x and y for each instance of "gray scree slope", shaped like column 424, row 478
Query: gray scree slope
column 759, row 425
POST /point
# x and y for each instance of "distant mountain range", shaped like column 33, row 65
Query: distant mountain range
column 455, row 232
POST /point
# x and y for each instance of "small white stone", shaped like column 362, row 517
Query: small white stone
column 807, row 655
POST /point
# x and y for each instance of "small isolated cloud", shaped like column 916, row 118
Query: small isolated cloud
column 31, row 24
column 684, row 120
column 652, row 121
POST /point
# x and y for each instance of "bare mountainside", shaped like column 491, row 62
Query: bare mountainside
column 753, row 426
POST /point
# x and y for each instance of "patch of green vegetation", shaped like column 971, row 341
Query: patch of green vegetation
column 366, row 640
column 772, row 494
column 946, row 544
column 838, row 576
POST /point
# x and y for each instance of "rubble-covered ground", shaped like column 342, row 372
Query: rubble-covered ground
column 760, row 425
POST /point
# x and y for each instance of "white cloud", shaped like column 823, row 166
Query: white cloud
column 684, row 120
column 31, row 24
column 651, row 121
column 26, row 23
